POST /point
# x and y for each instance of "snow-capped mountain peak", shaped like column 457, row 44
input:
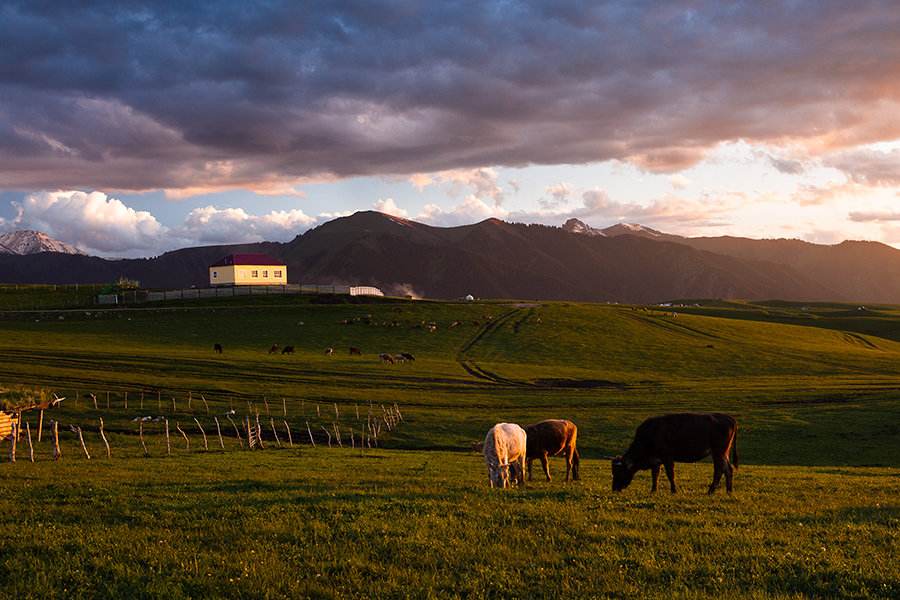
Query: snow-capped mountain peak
column 631, row 229
column 578, row 226
column 26, row 241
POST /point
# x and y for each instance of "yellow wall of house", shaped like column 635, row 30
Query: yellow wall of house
column 244, row 275
column 223, row 276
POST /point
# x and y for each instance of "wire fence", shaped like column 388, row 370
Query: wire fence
column 142, row 296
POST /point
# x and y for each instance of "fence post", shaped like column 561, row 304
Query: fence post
column 141, row 434
column 12, row 443
column 57, row 453
column 103, row 437
column 290, row 438
column 219, row 431
column 200, row 427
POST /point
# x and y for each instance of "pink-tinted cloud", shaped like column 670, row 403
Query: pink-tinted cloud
column 201, row 97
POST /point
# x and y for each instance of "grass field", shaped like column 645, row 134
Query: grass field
column 815, row 512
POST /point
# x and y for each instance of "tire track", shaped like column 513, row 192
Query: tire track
column 471, row 367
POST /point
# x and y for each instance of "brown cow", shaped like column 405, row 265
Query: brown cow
column 273, row 349
column 685, row 437
column 551, row 438
column 355, row 351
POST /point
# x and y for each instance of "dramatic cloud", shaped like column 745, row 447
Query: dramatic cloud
column 196, row 97
column 92, row 221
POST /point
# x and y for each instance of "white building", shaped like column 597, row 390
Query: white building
column 365, row 290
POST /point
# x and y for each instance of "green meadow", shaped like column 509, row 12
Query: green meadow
column 815, row 511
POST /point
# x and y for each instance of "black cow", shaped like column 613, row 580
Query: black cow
column 685, row 437
column 407, row 356
column 287, row 350
column 217, row 348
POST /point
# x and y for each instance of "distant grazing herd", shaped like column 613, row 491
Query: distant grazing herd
column 659, row 442
column 353, row 351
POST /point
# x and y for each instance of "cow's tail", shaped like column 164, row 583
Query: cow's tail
column 734, row 452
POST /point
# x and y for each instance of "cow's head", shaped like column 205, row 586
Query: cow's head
column 623, row 471
column 500, row 475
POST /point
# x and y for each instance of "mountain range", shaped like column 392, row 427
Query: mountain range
column 496, row 259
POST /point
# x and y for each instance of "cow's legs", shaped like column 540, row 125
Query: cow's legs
column 729, row 474
column 490, row 478
column 718, row 469
column 546, row 465
column 570, row 454
column 576, row 460
column 670, row 473
column 522, row 471
column 529, row 461
column 654, row 473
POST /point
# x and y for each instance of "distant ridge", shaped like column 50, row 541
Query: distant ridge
column 496, row 259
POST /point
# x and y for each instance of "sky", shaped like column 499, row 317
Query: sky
column 130, row 130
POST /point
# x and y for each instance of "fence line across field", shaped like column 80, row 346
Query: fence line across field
column 89, row 429
column 142, row 296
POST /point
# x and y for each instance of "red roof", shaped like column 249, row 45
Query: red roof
column 246, row 259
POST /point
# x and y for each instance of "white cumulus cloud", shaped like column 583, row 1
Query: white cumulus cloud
column 389, row 207
column 209, row 224
column 470, row 210
column 92, row 221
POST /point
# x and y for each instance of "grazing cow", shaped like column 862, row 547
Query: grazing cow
column 355, row 351
column 217, row 348
column 504, row 448
column 329, row 351
column 685, row 437
column 287, row 350
column 386, row 358
column 273, row 349
column 407, row 356
column 399, row 358
column 552, row 438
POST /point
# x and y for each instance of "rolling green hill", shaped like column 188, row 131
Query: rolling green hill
column 609, row 366
column 814, row 388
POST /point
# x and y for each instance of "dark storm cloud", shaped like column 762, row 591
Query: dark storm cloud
column 193, row 95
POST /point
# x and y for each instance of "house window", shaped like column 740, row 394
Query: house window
column 215, row 274
column 265, row 273
column 277, row 273
column 254, row 273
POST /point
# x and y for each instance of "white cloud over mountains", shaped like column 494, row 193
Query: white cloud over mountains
column 89, row 220
column 101, row 224
column 213, row 225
